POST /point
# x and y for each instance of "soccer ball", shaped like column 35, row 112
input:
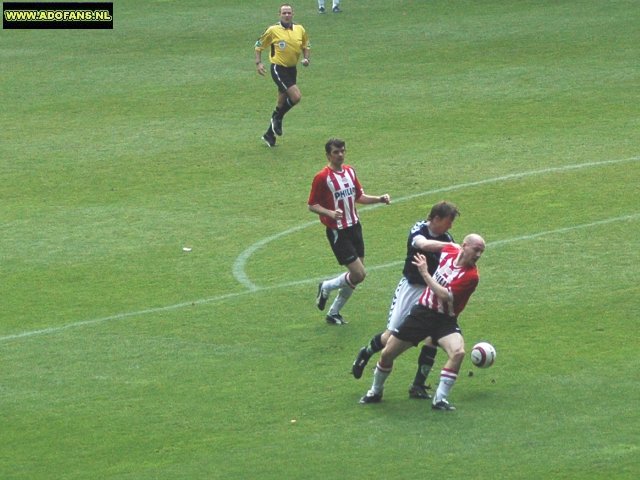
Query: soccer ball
column 483, row 355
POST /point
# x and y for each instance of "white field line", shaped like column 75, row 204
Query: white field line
column 220, row 298
column 254, row 289
column 241, row 261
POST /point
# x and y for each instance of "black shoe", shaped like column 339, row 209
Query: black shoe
column 371, row 397
column 360, row 362
column 335, row 319
column 336, row 9
column 321, row 297
column 419, row 391
column 270, row 139
column 321, row 10
column 276, row 124
column 442, row 405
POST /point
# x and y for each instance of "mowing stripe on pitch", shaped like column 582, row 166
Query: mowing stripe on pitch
column 241, row 261
column 220, row 298
column 238, row 268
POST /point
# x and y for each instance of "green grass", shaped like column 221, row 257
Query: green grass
column 124, row 357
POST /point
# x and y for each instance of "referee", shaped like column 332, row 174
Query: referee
column 286, row 41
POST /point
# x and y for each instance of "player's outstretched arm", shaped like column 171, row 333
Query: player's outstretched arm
column 426, row 245
column 369, row 199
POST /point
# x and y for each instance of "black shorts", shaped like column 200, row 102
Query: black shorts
column 284, row 77
column 347, row 244
column 422, row 322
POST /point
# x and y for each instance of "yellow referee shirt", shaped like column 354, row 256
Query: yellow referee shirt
column 286, row 43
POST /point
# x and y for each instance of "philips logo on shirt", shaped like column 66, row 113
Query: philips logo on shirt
column 344, row 193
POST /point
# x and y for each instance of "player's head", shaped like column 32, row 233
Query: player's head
column 441, row 217
column 335, row 150
column 334, row 143
column 472, row 249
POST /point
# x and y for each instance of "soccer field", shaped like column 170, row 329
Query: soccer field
column 123, row 356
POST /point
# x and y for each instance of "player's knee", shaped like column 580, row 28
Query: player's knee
column 358, row 276
column 457, row 355
column 386, row 359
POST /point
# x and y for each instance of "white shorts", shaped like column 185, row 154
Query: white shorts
column 405, row 297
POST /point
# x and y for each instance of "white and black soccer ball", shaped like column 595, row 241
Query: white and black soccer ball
column 483, row 355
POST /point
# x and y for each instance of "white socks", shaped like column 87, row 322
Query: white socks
column 337, row 282
column 380, row 375
column 321, row 3
column 343, row 295
column 447, row 380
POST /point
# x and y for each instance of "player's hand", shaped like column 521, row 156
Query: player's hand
column 305, row 62
column 385, row 199
column 420, row 261
column 337, row 214
column 261, row 69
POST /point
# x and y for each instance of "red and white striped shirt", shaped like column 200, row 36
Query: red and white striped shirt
column 461, row 282
column 337, row 190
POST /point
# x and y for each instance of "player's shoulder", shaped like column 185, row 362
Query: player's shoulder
column 419, row 228
column 447, row 237
column 475, row 275
column 323, row 172
column 451, row 248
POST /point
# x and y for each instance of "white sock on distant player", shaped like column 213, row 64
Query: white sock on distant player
column 447, row 379
column 380, row 376
column 320, row 3
column 337, row 282
column 335, row 3
column 343, row 295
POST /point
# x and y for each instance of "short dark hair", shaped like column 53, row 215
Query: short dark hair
column 444, row 209
column 333, row 142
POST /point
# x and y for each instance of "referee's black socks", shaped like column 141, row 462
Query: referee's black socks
column 281, row 111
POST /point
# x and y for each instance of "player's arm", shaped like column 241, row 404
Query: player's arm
column 441, row 292
column 320, row 210
column 422, row 243
column 317, row 197
column 369, row 199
